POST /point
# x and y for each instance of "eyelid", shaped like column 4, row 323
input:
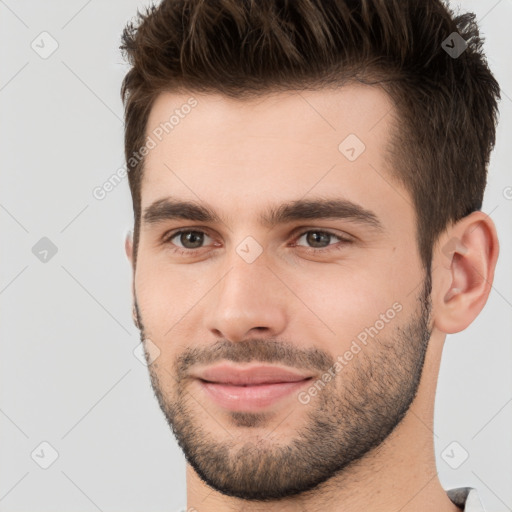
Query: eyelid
column 343, row 236
column 185, row 229
column 170, row 235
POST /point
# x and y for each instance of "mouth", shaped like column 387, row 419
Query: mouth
column 250, row 397
column 249, row 387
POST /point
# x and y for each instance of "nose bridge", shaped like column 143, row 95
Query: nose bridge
column 248, row 295
column 244, row 281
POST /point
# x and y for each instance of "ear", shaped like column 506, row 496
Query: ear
column 128, row 247
column 464, row 264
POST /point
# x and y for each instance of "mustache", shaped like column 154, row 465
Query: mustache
column 257, row 349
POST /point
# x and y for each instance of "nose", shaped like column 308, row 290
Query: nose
column 248, row 301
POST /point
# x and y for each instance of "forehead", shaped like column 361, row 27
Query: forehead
column 238, row 156
column 323, row 118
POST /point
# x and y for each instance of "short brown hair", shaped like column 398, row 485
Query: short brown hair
column 447, row 105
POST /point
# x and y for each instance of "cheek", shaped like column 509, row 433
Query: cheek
column 166, row 295
column 351, row 301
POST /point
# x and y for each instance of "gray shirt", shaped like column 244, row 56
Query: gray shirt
column 466, row 498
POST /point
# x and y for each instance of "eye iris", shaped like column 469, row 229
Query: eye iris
column 193, row 237
column 315, row 237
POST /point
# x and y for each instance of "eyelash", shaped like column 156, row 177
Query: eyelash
column 188, row 252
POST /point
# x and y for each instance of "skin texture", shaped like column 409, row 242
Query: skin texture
column 364, row 441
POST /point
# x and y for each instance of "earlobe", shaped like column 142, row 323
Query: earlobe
column 468, row 256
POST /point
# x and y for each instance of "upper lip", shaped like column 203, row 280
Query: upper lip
column 249, row 375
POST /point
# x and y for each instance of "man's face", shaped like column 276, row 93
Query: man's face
column 237, row 290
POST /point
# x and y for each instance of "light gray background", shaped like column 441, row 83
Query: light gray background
column 69, row 376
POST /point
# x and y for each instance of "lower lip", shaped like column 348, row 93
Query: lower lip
column 248, row 398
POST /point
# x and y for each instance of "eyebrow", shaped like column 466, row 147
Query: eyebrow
column 173, row 209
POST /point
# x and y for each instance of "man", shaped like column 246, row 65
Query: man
column 307, row 179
